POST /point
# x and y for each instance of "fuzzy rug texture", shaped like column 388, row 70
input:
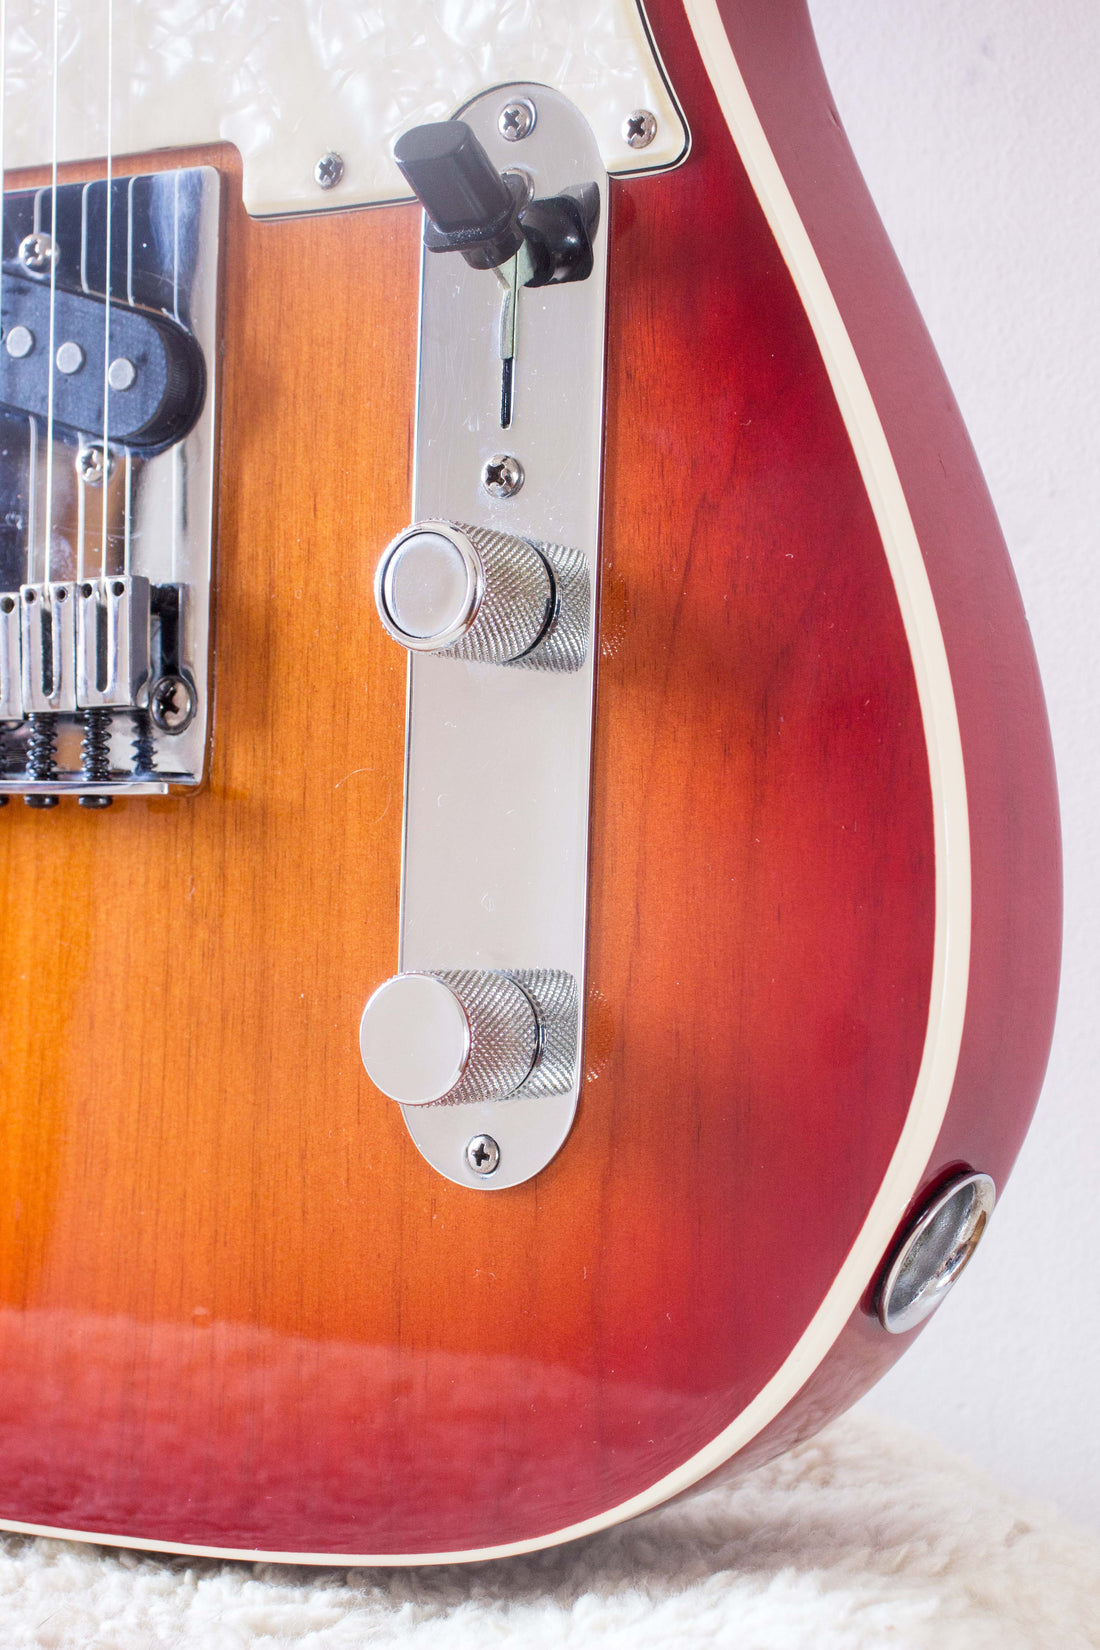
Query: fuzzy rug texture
column 868, row 1537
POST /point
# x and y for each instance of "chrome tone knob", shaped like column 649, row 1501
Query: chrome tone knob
column 933, row 1251
column 463, row 1035
column 465, row 591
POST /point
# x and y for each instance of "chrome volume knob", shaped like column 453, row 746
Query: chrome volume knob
column 465, row 591
column 470, row 1034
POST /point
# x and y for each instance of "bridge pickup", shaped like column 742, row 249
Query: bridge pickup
column 105, row 524
column 155, row 379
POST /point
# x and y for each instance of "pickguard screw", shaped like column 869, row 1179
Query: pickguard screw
column 502, row 476
column 482, row 1154
column 171, row 704
column 640, row 128
column 516, row 120
column 329, row 170
column 37, row 252
column 91, row 466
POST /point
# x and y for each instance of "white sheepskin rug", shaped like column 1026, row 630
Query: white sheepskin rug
column 870, row 1536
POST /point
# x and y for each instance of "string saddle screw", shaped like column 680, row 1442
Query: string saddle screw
column 640, row 128
column 329, row 170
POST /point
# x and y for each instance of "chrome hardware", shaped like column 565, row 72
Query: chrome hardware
column 93, row 466
column 172, row 704
column 11, row 686
column 48, row 645
column 472, row 594
column 502, row 475
column 112, row 642
column 495, row 860
column 933, row 1252
column 461, row 1035
column 640, row 128
column 517, row 120
column 482, row 1154
column 37, row 252
column 329, row 170
column 105, row 580
column 490, row 1050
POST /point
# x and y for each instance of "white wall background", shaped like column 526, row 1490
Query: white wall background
column 977, row 125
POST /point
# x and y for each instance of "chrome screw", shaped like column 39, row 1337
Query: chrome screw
column 482, row 1154
column 92, row 466
column 640, row 128
column 329, row 170
column 37, row 252
column 502, row 476
column 516, row 120
column 171, row 704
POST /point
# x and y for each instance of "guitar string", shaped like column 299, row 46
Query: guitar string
column 55, row 104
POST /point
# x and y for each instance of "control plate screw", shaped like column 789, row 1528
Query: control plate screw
column 329, row 170
column 640, row 128
column 171, row 704
column 516, row 120
column 502, row 476
column 483, row 1154
column 37, row 252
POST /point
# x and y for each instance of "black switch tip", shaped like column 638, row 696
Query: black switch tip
column 469, row 205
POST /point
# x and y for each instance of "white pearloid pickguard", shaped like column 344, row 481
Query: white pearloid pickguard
column 288, row 81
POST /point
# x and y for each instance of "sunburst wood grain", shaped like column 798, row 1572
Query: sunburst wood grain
column 238, row 1308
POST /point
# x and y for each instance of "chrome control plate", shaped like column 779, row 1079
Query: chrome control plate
column 498, row 757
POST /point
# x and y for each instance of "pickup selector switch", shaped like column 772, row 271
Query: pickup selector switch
column 463, row 1035
column 465, row 591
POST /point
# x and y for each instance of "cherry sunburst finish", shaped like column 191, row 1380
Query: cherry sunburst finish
column 239, row 1312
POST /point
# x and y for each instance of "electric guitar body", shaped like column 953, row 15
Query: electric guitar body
column 244, row 1308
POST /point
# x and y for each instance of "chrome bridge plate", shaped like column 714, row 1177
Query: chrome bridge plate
column 105, row 550
column 498, row 758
